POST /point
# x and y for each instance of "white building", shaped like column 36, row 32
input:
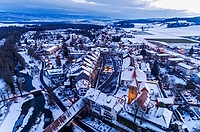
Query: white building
column 51, row 50
column 102, row 104
column 50, row 73
column 82, row 86
column 186, row 69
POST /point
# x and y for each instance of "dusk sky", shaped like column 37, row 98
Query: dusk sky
column 110, row 8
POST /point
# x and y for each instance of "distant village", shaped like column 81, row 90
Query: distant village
column 113, row 79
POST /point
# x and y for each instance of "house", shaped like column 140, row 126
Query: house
column 174, row 61
column 76, row 55
column 144, row 87
column 162, row 57
column 83, row 69
column 51, row 50
column 166, row 101
column 145, row 67
column 103, row 104
column 186, row 69
column 82, row 86
column 54, row 73
column 163, row 117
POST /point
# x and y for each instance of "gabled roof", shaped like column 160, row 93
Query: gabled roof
column 126, row 63
column 145, row 66
column 83, row 83
column 101, row 99
column 92, row 94
column 141, row 76
column 83, row 75
column 91, row 65
column 166, row 100
column 143, row 100
column 165, row 115
column 126, row 55
column 144, row 87
column 185, row 66
column 110, row 102
column 92, row 58
column 88, row 60
column 129, row 73
column 134, row 83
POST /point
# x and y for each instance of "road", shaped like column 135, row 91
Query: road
column 106, row 86
column 50, row 90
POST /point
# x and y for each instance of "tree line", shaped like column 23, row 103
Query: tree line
column 9, row 57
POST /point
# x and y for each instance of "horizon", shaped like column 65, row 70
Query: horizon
column 114, row 9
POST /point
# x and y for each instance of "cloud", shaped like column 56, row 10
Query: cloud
column 111, row 8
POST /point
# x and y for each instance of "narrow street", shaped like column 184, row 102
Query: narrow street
column 110, row 83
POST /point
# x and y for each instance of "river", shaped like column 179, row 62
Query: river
column 38, row 103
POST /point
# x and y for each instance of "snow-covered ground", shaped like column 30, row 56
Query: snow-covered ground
column 14, row 112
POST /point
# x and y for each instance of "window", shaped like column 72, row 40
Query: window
column 107, row 108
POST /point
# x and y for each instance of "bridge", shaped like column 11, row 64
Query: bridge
column 66, row 117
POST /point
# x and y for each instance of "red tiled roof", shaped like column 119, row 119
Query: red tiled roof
column 142, row 99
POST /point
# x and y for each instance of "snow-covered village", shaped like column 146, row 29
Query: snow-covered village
column 102, row 79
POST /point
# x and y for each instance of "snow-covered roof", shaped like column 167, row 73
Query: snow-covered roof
column 140, row 75
column 163, row 116
column 143, row 86
column 145, row 66
column 185, row 66
column 133, row 40
column 101, row 99
column 83, row 83
column 175, row 59
column 143, row 99
column 92, row 94
column 88, row 60
column 134, row 83
column 87, row 68
column 52, row 48
column 74, row 68
column 163, row 55
column 127, row 74
column 110, row 102
column 92, row 58
column 55, row 71
column 91, row 65
column 151, row 52
column 166, row 100
column 126, row 63
column 83, row 75
column 118, row 107
column 66, row 83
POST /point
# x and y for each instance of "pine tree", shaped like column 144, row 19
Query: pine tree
column 155, row 69
column 58, row 62
column 143, row 52
column 191, row 51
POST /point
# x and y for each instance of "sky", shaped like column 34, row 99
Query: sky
column 109, row 8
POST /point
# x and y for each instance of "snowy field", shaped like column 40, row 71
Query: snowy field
column 161, row 32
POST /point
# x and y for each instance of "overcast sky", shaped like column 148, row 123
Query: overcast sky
column 111, row 8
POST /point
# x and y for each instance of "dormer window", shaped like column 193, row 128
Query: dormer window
column 109, row 100
column 91, row 95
